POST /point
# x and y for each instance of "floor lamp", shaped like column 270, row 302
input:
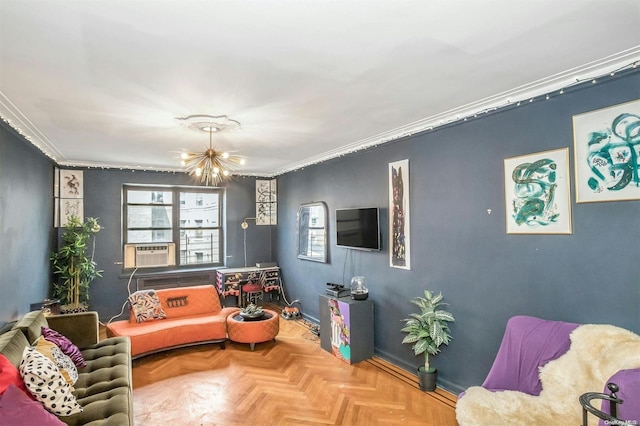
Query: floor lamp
column 244, row 225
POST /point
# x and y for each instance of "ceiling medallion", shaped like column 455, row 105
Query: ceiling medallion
column 210, row 166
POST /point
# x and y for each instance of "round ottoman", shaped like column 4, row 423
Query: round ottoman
column 252, row 331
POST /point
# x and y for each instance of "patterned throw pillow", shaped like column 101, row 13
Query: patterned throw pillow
column 62, row 361
column 65, row 346
column 43, row 379
column 146, row 306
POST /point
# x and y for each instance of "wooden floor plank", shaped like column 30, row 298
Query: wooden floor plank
column 291, row 381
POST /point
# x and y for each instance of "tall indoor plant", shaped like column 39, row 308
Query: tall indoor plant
column 74, row 264
column 427, row 331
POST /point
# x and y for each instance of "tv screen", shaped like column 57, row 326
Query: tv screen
column 358, row 228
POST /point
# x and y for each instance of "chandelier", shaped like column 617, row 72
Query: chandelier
column 211, row 166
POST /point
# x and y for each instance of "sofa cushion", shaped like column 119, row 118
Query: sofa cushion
column 12, row 344
column 46, row 384
column 81, row 328
column 66, row 367
column 18, row 409
column 146, row 306
column 200, row 300
column 108, row 367
column 10, row 376
column 110, row 408
column 65, row 345
column 151, row 336
column 31, row 325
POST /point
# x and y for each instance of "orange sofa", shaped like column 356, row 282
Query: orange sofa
column 194, row 315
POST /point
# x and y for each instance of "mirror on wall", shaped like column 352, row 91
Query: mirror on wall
column 312, row 232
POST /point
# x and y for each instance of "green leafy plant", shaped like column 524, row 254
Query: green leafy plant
column 429, row 329
column 252, row 309
column 73, row 263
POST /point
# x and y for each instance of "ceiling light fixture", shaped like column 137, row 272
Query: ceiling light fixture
column 210, row 166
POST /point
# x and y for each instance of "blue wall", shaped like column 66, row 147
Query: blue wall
column 456, row 175
column 26, row 224
column 103, row 199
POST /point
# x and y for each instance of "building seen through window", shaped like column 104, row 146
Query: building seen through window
column 190, row 218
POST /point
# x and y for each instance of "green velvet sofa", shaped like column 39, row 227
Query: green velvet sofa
column 104, row 386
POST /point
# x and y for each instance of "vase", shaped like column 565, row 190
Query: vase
column 427, row 379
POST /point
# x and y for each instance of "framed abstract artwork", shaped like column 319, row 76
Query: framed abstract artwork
column 266, row 202
column 70, row 207
column 537, row 193
column 399, row 217
column 71, row 184
column 607, row 153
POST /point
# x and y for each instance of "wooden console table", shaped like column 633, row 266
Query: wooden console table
column 231, row 280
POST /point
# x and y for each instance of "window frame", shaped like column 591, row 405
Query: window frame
column 176, row 225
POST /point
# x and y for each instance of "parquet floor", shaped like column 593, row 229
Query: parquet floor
column 291, row 381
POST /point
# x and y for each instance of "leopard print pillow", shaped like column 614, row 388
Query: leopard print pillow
column 45, row 382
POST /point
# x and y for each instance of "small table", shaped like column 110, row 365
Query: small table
column 252, row 331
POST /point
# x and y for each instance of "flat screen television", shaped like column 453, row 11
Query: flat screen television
column 358, row 228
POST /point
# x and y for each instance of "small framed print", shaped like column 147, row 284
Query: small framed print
column 70, row 207
column 71, row 183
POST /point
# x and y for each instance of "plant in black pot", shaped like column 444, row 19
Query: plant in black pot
column 74, row 265
column 427, row 331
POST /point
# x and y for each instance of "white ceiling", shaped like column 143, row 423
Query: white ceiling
column 100, row 83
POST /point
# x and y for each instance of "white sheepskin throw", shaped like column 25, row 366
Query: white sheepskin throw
column 597, row 352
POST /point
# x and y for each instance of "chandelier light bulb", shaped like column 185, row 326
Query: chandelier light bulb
column 184, row 156
column 198, row 171
column 225, row 155
column 183, row 163
column 242, row 162
column 226, row 172
column 216, row 170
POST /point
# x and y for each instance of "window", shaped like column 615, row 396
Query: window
column 191, row 218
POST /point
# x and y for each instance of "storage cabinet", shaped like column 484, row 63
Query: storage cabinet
column 346, row 328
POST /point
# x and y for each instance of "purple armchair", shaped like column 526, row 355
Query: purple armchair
column 528, row 344
column 541, row 369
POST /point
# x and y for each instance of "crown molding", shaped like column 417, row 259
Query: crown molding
column 540, row 89
column 537, row 90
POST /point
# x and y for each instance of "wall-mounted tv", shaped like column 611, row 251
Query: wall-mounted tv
column 358, row 228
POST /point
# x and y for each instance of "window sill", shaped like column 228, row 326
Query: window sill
column 170, row 271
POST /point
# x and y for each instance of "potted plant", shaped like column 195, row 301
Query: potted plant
column 73, row 263
column 427, row 331
column 251, row 311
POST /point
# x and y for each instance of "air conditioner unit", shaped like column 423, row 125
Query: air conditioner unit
column 149, row 255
